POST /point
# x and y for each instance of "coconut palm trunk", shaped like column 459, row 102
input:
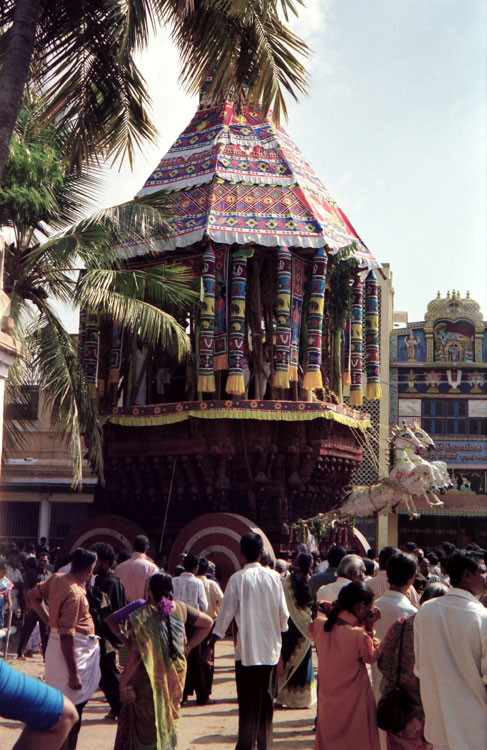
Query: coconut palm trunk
column 20, row 40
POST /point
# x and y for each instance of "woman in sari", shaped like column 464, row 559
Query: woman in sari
column 296, row 682
column 5, row 587
column 345, row 643
column 151, row 686
column 411, row 737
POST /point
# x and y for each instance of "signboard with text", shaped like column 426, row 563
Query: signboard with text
column 460, row 453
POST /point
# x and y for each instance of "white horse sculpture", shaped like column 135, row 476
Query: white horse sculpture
column 413, row 472
column 410, row 475
column 443, row 479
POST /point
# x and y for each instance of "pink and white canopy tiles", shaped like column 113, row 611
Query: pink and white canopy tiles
column 236, row 178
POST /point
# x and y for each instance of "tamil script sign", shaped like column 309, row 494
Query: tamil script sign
column 460, row 453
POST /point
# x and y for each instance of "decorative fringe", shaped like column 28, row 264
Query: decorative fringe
column 373, row 391
column 356, row 396
column 206, row 380
column 235, row 380
column 235, row 385
column 206, row 383
column 312, row 380
column 283, row 317
column 372, row 353
column 282, row 411
column 281, row 379
column 312, row 377
column 293, row 373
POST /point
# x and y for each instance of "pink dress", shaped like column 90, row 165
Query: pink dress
column 346, row 705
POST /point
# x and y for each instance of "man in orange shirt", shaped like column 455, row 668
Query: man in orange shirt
column 73, row 654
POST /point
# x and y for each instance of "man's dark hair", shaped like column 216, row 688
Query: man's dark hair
column 104, row 552
column 266, row 560
column 202, row 567
column 369, row 566
column 459, row 562
column 251, row 546
column 141, row 543
column 82, row 559
column 432, row 557
column 410, row 546
column 190, row 562
column 401, row 568
column 372, row 553
column 43, row 554
column 335, row 554
column 448, row 548
column 385, row 555
column 122, row 556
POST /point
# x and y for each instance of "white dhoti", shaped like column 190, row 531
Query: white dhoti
column 87, row 657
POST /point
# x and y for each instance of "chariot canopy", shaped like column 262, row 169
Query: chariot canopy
column 279, row 267
column 235, row 178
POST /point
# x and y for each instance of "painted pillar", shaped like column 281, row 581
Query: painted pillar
column 44, row 517
column 387, row 531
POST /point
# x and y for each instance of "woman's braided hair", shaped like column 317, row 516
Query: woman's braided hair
column 160, row 585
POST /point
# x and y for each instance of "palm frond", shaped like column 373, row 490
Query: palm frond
column 245, row 46
column 95, row 239
column 92, row 83
column 72, row 407
column 135, row 298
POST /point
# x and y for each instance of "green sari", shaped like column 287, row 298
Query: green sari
column 151, row 723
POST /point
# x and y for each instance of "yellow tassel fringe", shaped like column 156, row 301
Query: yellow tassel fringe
column 206, row 383
column 235, row 385
column 312, row 380
column 356, row 398
column 373, row 391
column 281, row 379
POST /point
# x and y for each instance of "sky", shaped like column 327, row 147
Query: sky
column 394, row 124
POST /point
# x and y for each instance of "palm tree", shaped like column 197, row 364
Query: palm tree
column 82, row 56
column 78, row 264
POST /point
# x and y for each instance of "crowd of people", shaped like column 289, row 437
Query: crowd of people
column 401, row 618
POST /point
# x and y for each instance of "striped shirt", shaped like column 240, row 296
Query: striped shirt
column 135, row 574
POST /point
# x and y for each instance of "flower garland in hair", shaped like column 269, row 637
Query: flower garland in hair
column 165, row 606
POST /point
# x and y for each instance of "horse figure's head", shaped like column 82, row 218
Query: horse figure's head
column 404, row 438
column 423, row 437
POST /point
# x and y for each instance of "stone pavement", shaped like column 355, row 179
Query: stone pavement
column 211, row 727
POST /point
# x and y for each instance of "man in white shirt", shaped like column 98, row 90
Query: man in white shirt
column 254, row 597
column 136, row 572
column 379, row 583
column 450, row 646
column 190, row 589
column 350, row 568
column 393, row 604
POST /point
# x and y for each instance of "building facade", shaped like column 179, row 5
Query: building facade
column 438, row 376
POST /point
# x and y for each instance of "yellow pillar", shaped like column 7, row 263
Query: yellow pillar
column 386, row 533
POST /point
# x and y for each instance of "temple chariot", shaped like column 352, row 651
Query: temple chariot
column 250, row 430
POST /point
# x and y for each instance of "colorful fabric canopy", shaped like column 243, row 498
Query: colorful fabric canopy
column 235, row 178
